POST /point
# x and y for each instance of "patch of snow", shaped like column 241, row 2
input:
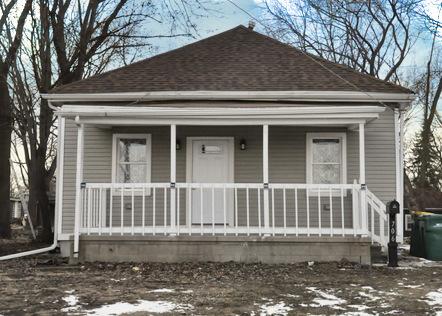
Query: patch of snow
column 325, row 299
column 413, row 286
column 359, row 313
column 69, row 291
column 291, row 295
column 274, row 309
column 141, row 306
column 359, row 307
column 434, row 298
column 71, row 300
column 187, row 291
column 162, row 291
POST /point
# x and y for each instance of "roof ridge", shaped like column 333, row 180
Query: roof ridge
column 322, row 59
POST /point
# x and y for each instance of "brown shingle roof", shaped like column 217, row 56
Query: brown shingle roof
column 236, row 60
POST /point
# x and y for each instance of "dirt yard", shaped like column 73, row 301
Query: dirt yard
column 45, row 285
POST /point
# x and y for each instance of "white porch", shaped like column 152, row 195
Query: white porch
column 190, row 208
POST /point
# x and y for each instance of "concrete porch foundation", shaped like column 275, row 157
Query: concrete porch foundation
column 271, row 250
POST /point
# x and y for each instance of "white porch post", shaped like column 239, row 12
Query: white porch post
column 173, row 178
column 363, row 210
column 399, row 133
column 265, row 175
column 78, row 182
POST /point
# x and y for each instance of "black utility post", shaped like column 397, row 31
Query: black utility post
column 392, row 210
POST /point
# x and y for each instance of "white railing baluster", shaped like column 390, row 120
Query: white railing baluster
column 342, row 212
column 236, row 212
column 111, row 198
column 165, row 211
column 213, row 211
column 178, row 210
column 143, row 210
column 189, row 192
column 285, row 211
column 355, row 211
column 89, row 211
column 331, row 212
column 154, row 206
column 296, row 211
column 259, row 211
column 319, row 212
column 273, row 211
column 94, row 202
column 100, row 210
column 201, row 210
column 133, row 211
column 308, row 211
column 224, row 210
column 248, row 211
column 372, row 222
column 122, row 210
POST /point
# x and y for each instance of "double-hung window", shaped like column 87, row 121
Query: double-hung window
column 132, row 158
column 326, row 158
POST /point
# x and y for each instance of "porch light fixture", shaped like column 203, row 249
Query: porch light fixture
column 243, row 144
column 178, row 145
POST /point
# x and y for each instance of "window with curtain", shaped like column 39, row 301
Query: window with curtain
column 326, row 158
column 132, row 158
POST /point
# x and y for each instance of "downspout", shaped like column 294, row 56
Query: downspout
column 57, row 206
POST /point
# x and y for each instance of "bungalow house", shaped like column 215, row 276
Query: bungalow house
column 236, row 147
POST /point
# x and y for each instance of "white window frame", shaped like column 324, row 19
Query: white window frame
column 309, row 155
column 115, row 139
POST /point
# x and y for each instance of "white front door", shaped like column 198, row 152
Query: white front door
column 212, row 162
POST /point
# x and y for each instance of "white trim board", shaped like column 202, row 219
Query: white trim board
column 319, row 95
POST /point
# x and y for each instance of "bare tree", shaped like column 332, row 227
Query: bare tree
column 373, row 37
column 68, row 41
column 11, row 38
column 426, row 163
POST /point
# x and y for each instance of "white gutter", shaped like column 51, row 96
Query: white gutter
column 321, row 96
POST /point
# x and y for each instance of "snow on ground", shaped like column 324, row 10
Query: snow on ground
column 434, row 298
column 162, row 291
column 325, row 299
column 271, row 308
column 72, row 302
column 141, row 306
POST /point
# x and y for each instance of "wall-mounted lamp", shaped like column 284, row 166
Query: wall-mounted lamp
column 243, row 144
column 178, row 144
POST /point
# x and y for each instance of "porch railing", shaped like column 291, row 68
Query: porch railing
column 231, row 209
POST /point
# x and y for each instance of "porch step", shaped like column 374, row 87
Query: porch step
column 377, row 256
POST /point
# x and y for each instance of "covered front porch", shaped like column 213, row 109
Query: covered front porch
column 231, row 172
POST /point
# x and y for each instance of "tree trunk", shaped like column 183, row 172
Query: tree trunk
column 422, row 180
column 5, row 169
column 38, row 197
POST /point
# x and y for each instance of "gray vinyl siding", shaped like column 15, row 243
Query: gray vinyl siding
column 287, row 164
